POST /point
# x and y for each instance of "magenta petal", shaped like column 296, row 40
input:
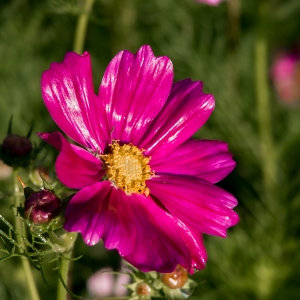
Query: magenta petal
column 75, row 167
column 158, row 245
column 185, row 111
column 134, row 89
column 195, row 243
column 195, row 202
column 143, row 233
column 68, row 93
column 85, row 211
column 205, row 159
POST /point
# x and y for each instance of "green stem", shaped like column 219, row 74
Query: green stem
column 233, row 38
column 264, row 121
column 30, row 281
column 64, row 265
column 112, row 298
column 234, row 14
column 82, row 26
column 28, row 277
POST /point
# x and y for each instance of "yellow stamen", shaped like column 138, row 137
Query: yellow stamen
column 128, row 168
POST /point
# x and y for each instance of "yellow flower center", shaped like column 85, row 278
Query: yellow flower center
column 128, row 168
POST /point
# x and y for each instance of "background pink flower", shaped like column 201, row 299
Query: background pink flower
column 104, row 283
column 211, row 2
column 158, row 196
column 285, row 74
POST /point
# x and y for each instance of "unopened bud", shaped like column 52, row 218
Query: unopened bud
column 16, row 146
column 143, row 290
column 42, row 206
column 176, row 279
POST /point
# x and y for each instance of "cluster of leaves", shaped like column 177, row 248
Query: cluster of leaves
column 35, row 256
column 157, row 289
column 15, row 243
column 46, row 243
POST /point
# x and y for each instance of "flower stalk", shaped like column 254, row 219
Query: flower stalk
column 64, row 266
column 63, row 242
column 28, row 276
column 82, row 26
column 268, row 163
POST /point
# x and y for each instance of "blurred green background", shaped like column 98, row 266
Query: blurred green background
column 230, row 48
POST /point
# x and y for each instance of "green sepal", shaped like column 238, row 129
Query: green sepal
column 56, row 223
column 47, row 185
column 157, row 284
column 153, row 274
column 21, row 211
column 65, row 201
column 30, row 131
column 9, row 129
column 61, row 240
column 180, row 293
column 28, row 192
column 132, row 286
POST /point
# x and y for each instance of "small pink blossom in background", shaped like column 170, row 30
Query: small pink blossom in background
column 285, row 73
column 211, row 2
column 146, row 188
column 5, row 170
column 105, row 284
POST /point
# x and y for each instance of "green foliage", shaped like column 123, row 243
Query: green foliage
column 259, row 258
column 36, row 256
column 156, row 287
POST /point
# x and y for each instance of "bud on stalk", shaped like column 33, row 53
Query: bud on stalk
column 143, row 291
column 16, row 146
column 41, row 207
column 176, row 279
column 16, row 151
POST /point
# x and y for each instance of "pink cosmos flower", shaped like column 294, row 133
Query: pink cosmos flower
column 211, row 2
column 146, row 188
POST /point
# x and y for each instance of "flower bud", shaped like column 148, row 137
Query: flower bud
column 42, row 206
column 143, row 291
column 176, row 279
column 16, row 146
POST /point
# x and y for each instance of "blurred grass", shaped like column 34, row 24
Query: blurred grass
column 260, row 257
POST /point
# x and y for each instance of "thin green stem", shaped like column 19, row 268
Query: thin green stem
column 112, row 298
column 234, row 14
column 233, row 37
column 264, row 121
column 28, row 277
column 82, row 26
column 30, row 280
column 64, row 265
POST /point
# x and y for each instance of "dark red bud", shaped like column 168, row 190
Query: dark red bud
column 16, row 146
column 41, row 207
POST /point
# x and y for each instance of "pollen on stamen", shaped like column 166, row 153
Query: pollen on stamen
column 128, row 168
